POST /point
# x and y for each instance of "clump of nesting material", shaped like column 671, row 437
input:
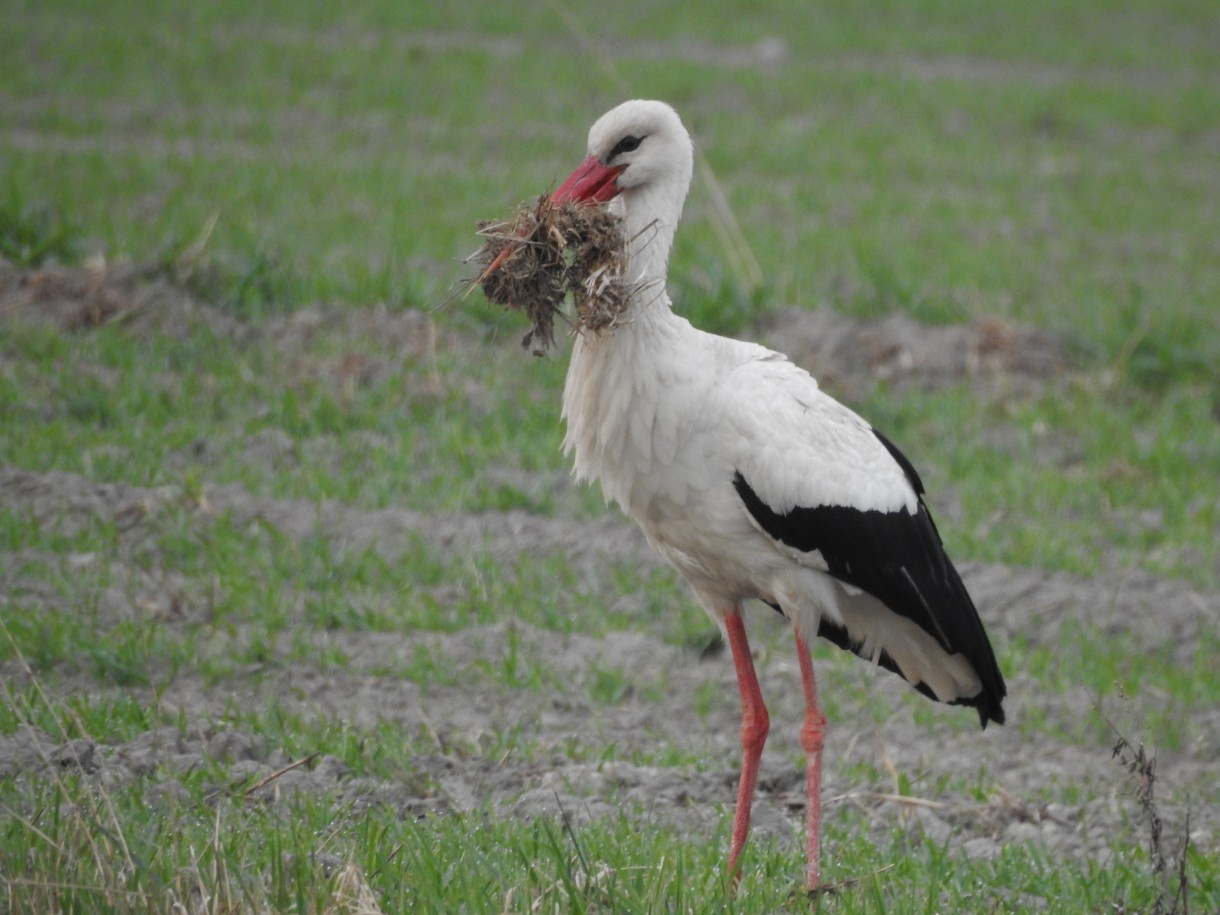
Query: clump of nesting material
column 545, row 252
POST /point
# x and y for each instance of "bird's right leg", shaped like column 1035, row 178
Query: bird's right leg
column 754, row 726
column 813, row 737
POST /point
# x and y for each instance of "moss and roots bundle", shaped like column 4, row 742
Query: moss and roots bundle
column 546, row 252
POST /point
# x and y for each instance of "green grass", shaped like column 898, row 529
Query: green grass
column 32, row 235
column 312, row 852
column 313, row 173
column 982, row 164
column 1113, row 668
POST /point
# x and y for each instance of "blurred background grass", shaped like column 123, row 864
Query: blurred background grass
column 1049, row 162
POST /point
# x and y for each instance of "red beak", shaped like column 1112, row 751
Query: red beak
column 592, row 182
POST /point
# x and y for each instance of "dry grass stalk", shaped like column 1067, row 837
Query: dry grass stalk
column 1172, row 884
column 353, row 895
column 545, row 252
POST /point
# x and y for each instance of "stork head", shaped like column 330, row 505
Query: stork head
column 639, row 146
column 641, row 158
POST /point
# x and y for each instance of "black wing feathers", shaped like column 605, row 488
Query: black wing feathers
column 898, row 558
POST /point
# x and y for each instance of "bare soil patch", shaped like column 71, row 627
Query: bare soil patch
column 837, row 349
column 873, row 723
column 851, row 354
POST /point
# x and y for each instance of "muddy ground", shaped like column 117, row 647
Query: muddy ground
column 1025, row 763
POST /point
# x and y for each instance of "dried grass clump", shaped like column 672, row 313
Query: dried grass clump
column 545, row 252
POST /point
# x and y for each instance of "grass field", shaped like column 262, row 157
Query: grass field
column 272, row 477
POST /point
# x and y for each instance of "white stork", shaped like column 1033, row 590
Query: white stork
column 751, row 481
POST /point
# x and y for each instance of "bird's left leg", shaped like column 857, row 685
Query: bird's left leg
column 812, row 737
column 754, row 726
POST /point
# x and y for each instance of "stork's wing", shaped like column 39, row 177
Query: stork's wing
column 800, row 448
column 819, row 480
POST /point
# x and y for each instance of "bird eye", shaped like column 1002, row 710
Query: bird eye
column 625, row 145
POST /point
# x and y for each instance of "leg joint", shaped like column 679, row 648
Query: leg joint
column 813, row 733
column 754, row 729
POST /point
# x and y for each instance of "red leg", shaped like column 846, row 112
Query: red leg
column 754, row 727
column 812, row 737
